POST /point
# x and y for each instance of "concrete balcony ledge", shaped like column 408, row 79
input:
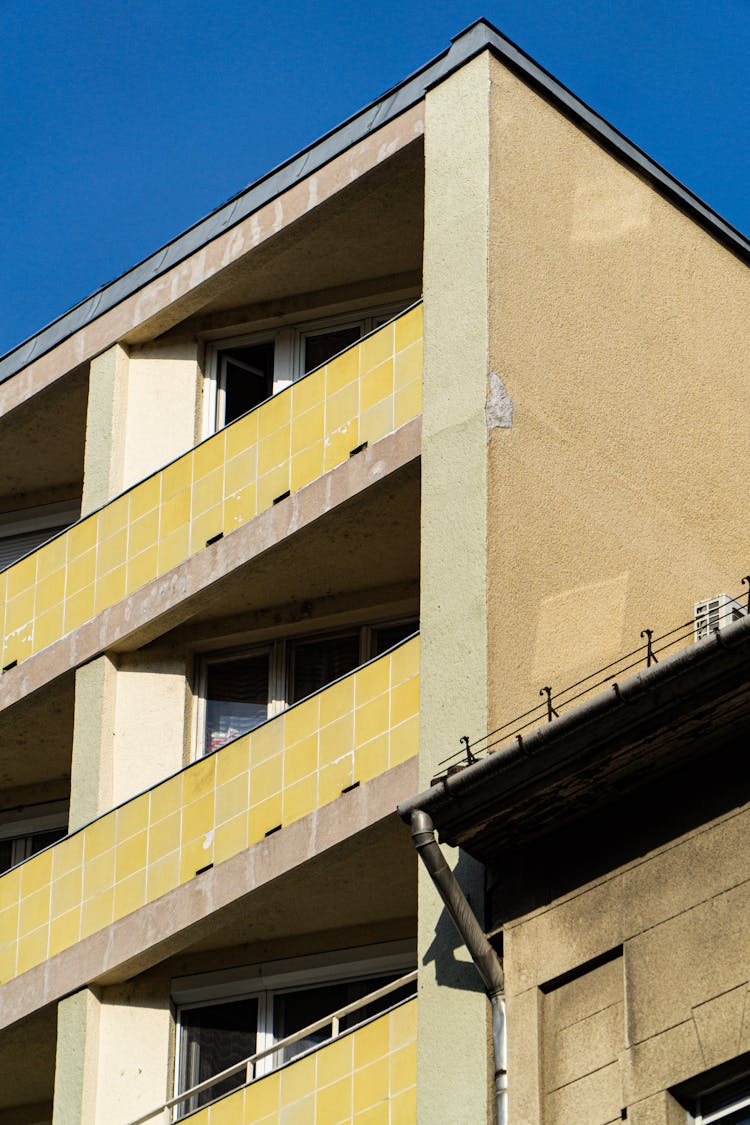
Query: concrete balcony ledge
column 298, row 437
column 138, row 877
column 167, row 601
column 195, row 910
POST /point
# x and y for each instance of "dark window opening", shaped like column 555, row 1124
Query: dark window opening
column 315, row 663
column 215, row 1038
column 322, row 346
column 236, row 698
column 246, row 378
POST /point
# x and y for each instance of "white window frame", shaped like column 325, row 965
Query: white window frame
column 280, row 672
column 276, row 978
column 289, row 352
column 721, row 1114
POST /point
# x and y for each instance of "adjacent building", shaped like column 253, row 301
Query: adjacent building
column 426, row 429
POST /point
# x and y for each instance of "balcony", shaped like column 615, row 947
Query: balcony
column 366, row 1074
column 311, row 427
column 353, row 730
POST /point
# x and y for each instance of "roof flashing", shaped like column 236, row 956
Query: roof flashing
column 477, row 37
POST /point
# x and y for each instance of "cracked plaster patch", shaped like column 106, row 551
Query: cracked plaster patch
column 499, row 406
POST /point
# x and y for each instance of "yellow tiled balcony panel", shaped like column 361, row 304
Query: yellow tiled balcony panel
column 349, row 732
column 362, row 395
column 368, row 1076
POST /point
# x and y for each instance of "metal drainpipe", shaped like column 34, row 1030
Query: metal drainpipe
column 482, row 954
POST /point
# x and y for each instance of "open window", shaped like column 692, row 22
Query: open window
column 243, row 688
column 243, row 372
column 225, row 1018
column 26, row 831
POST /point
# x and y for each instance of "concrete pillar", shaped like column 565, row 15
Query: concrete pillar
column 453, row 1058
column 76, row 1059
column 105, row 429
column 128, row 730
column 113, row 1054
column 142, row 413
column 162, row 414
column 128, row 734
column 92, row 763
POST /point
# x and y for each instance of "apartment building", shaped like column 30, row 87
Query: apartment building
column 446, row 409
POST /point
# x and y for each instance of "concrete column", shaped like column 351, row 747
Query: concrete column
column 142, row 413
column 113, row 1054
column 76, row 1060
column 105, row 428
column 128, row 730
column 453, row 1058
column 92, row 764
column 162, row 412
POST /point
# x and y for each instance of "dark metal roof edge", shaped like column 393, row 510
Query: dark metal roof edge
column 616, row 142
column 390, row 105
column 700, row 659
column 479, row 36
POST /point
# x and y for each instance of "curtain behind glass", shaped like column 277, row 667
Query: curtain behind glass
column 213, row 1038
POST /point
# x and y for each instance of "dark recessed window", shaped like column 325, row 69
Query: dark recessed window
column 245, row 380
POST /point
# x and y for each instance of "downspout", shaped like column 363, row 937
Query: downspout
column 482, row 954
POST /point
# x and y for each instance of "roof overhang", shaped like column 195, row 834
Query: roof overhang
column 480, row 36
column 637, row 731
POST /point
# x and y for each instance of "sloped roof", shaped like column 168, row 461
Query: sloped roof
column 478, row 37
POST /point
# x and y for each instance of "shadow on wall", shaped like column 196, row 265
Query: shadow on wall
column 453, row 965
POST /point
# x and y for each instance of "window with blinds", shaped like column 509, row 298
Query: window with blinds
column 243, row 689
column 24, row 530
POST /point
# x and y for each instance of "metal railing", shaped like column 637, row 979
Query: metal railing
column 249, row 1065
column 650, row 652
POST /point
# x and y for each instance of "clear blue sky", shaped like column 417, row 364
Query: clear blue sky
column 124, row 121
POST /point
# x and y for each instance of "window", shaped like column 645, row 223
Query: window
column 24, row 832
column 244, row 372
column 23, row 531
column 246, row 1017
column 729, row 1104
column 241, row 689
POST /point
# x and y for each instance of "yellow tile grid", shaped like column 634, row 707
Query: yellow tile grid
column 309, row 428
column 366, row 1077
column 349, row 732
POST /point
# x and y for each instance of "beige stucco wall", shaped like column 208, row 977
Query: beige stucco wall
column 128, row 731
column 113, row 1054
column 142, row 413
column 619, row 330
column 149, row 741
column 672, row 1001
column 452, row 1046
column 162, row 396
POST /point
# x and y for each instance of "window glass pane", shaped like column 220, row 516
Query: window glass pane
column 322, row 346
column 236, row 698
column 386, row 636
column 213, row 1038
column 248, row 379
column 293, row 1011
column 41, row 840
column 6, row 855
column 14, row 547
column 318, row 662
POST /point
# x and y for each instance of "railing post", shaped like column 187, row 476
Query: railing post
column 650, row 658
column 551, row 712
